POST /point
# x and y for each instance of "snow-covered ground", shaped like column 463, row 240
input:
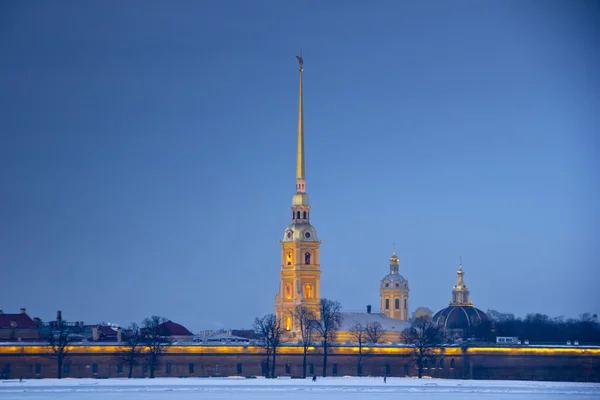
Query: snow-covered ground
column 291, row 389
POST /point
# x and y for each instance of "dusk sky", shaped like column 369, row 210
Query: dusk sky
column 147, row 154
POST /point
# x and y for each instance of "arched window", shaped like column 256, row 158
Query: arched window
column 288, row 323
column 304, row 214
column 442, row 363
column 397, row 304
column 425, row 363
column 307, row 291
column 307, row 258
column 298, row 215
column 387, row 304
column 452, row 363
column 405, row 306
column 288, row 291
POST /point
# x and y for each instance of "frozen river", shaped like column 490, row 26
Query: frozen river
column 326, row 389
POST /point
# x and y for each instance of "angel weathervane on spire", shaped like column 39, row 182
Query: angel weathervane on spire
column 300, row 60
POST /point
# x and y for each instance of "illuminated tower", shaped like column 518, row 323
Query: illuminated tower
column 393, row 292
column 300, row 270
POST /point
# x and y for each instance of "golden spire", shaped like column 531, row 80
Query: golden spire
column 300, row 178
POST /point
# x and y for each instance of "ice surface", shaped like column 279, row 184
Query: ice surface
column 290, row 389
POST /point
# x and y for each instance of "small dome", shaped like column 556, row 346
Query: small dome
column 300, row 232
column 459, row 317
column 392, row 279
column 300, row 199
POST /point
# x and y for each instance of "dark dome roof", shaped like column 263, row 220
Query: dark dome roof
column 459, row 317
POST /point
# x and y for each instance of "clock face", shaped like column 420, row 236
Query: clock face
column 307, row 235
column 289, row 234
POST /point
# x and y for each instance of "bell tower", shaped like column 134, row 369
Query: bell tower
column 393, row 292
column 300, row 275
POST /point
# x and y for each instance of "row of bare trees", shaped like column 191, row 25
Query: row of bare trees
column 321, row 326
column 145, row 343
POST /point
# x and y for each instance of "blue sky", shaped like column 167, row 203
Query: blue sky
column 147, row 154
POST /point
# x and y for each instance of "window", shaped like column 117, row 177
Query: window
column 452, row 363
column 307, row 258
column 405, row 369
column 298, row 215
column 442, row 363
column 38, row 369
column 168, row 368
column 239, row 368
column 397, row 304
column 144, row 368
column 432, row 362
column 388, row 369
column 66, row 368
column 119, row 368
column 311, row 369
column 288, row 323
column 307, row 291
column 288, row 368
column 94, row 368
column 304, row 215
column 397, row 285
column 191, row 368
column 387, row 304
column 405, row 306
column 335, row 369
column 425, row 363
column 288, row 291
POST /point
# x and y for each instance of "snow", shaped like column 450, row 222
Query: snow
column 336, row 388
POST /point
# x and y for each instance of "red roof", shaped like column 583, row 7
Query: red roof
column 173, row 329
column 22, row 320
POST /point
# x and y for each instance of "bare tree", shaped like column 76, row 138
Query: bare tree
column 269, row 330
column 156, row 338
column 424, row 336
column 328, row 324
column 306, row 320
column 133, row 346
column 60, row 335
column 359, row 333
column 375, row 332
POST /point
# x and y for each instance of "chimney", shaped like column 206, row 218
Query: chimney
column 369, row 309
column 59, row 316
column 22, row 311
column 119, row 335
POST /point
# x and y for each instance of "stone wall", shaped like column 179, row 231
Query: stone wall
column 203, row 361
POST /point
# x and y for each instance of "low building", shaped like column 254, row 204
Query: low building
column 422, row 312
column 18, row 327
